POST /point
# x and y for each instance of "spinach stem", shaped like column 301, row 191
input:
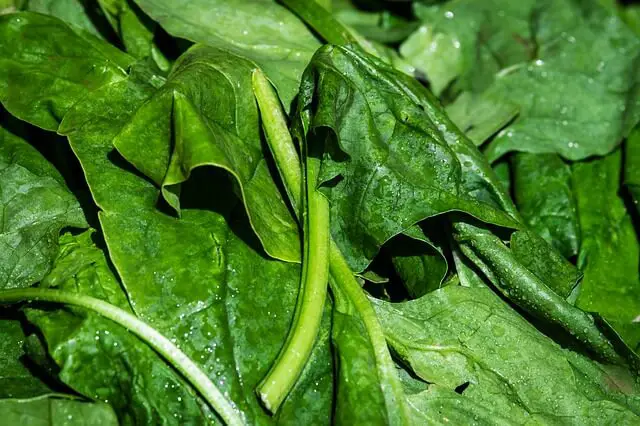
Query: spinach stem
column 178, row 359
column 281, row 379
column 304, row 330
column 282, row 148
column 343, row 282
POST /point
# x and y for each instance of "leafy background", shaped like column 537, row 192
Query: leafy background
column 484, row 224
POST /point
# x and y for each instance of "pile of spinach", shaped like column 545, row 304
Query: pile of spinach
column 299, row 212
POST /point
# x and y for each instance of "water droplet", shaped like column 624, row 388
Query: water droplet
column 539, row 62
column 456, row 44
column 449, row 14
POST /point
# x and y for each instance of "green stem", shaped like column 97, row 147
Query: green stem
column 315, row 267
column 279, row 139
column 321, row 20
column 146, row 333
column 342, row 278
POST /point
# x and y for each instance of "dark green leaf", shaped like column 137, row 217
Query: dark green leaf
column 274, row 39
column 543, row 193
column 194, row 279
column 380, row 25
column 99, row 359
column 31, row 46
column 54, row 411
column 632, row 166
column 392, row 158
column 35, row 205
column 194, row 269
column 457, row 336
column 207, row 111
column 17, row 380
column 136, row 30
column 419, row 260
column 609, row 251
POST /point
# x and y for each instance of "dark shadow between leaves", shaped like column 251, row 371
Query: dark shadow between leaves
column 36, row 359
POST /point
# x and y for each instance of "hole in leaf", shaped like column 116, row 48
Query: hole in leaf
column 462, row 387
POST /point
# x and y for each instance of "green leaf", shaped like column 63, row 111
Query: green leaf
column 200, row 279
column 169, row 273
column 368, row 389
column 36, row 205
column 82, row 344
column 548, row 265
column 544, row 196
column 31, row 45
column 467, row 339
column 419, row 260
column 74, row 12
column 135, row 29
column 632, row 166
column 274, row 39
column 17, row 380
column 378, row 25
column 479, row 116
column 570, row 67
column 55, row 411
column 392, row 158
column 206, row 115
column 532, row 290
column 609, row 251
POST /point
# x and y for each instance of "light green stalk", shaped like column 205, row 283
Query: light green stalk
column 315, row 263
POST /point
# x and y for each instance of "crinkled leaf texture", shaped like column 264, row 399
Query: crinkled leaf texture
column 392, row 158
column 544, row 195
column 199, row 279
column 35, row 205
column 470, row 340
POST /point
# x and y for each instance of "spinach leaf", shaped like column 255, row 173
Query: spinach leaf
column 83, row 344
column 570, row 67
column 206, row 115
column 56, row 411
column 389, row 163
column 632, row 166
column 419, row 262
column 544, row 195
column 378, row 25
column 480, row 116
column 35, row 205
column 27, row 89
column 135, row 29
column 274, row 39
column 528, row 291
column 77, row 13
column 195, row 269
column 609, row 251
column 467, row 339
column 17, row 379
